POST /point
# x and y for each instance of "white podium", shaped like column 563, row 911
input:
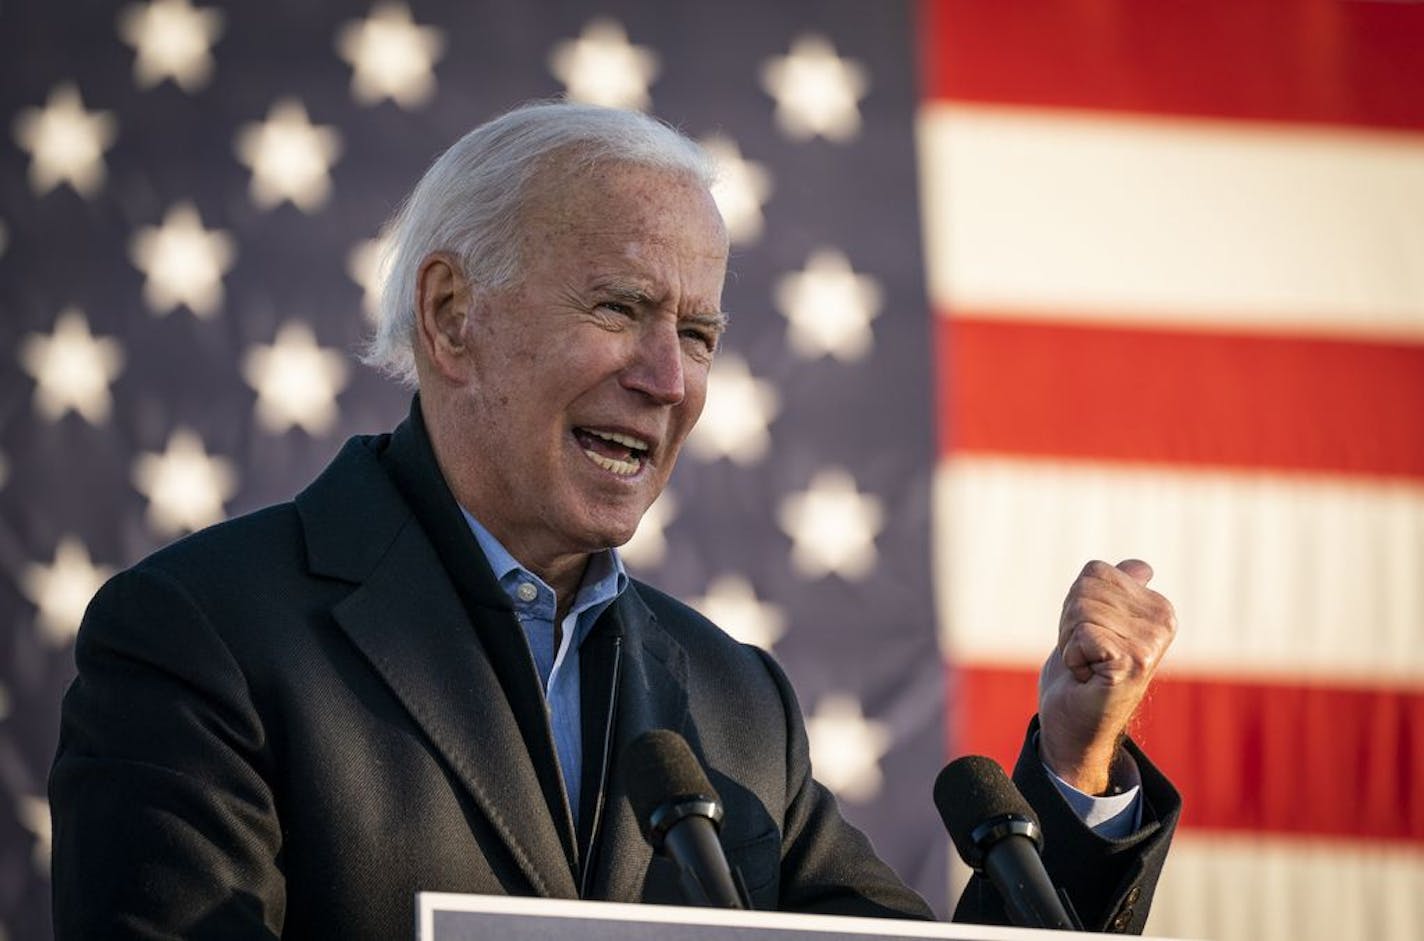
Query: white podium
column 443, row 916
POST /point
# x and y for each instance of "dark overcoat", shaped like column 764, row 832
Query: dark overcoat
column 287, row 724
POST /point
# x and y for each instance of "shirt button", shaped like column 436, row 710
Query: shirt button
column 527, row 592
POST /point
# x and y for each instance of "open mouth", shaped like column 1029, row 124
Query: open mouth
column 613, row 451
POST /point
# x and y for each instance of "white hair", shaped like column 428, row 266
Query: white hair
column 469, row 202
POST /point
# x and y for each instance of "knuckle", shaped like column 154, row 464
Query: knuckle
column 1098, row 640
column 1076, row 609
column 1163, row 613
column 1095, row 569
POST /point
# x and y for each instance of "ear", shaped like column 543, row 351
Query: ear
column 442, row 312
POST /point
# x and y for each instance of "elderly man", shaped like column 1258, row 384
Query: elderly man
column 420, row 673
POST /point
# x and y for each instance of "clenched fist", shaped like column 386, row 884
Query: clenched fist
column 1111, row 637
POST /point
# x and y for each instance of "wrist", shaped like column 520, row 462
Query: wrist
column 1089, row 771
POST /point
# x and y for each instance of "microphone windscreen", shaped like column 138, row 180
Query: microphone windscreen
column 971, row 790
column 658, row 768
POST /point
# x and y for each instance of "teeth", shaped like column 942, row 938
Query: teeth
column 621, row 468
column 628, row 441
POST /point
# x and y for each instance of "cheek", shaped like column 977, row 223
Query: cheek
column 694, row 398
column 695, row 388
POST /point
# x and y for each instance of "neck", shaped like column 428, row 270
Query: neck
column 565, row 581
column 560, row 569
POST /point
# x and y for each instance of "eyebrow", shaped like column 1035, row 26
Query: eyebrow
column 631, row 293
column 626, row 291
column 714, row 320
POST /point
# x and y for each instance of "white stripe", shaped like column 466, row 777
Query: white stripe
column 1174, row 221
column 1270, row 575
column 1244, row 888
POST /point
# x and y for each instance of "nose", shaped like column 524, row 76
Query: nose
column 657, row 369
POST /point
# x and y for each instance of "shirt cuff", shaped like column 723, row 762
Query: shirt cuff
column 1115, row 816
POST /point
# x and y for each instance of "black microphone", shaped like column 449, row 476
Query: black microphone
column 997, row 833
column 680, row 815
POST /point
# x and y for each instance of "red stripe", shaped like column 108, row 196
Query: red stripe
column 1304, row 760
column 1319, row 61
column 1133, row 395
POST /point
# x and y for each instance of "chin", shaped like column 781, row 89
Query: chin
column 613, row 537
column 612, row 531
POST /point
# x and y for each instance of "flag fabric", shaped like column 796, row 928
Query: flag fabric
column 1176, row 253
column 1012, row 286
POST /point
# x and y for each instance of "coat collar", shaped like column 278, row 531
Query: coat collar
column 430, row 617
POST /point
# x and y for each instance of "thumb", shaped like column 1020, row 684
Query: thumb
column 1136, row 569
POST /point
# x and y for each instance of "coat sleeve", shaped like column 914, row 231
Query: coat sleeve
column 164, row 824
column 1110, row 882
column 827, row 865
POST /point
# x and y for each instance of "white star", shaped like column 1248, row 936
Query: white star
column 296, row 381
column 816, row 91
column 731, row 603
column 33, row 814
column 173, row 40
column 364, row 266
column 830, row 307
column 738, row 409
column 390, row 56
column 289, row 157
column 846, row 748
column 832, row 526
column 182, row 262
column 602, row 68
column 61, row 590
column 741, row 189
column 72, row 368
column 648, row 545
column 66, row 143
column 185, row 487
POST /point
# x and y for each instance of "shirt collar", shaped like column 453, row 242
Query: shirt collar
column 604, row 579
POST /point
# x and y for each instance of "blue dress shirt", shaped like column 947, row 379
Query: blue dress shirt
column 536, row 607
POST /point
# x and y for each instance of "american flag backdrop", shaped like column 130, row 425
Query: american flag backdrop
column 1014, row 285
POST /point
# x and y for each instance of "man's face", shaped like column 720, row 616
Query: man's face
column 591, row 369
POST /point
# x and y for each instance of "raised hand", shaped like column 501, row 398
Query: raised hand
column 1112, row 635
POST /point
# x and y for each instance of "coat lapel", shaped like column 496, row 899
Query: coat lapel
column 652, row 694
column 430, row 618
column 418, row 632
column 417, row 636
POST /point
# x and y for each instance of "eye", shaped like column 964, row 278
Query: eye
column 618, row 307
column 705, row 339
